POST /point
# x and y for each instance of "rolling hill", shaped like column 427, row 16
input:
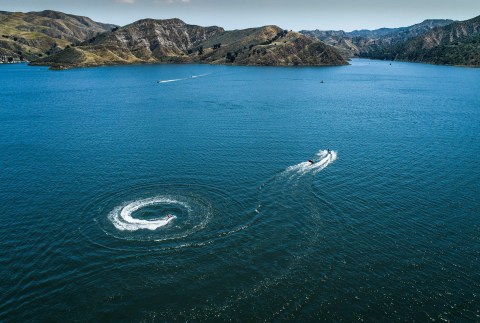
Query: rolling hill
column 28, row 36
column 174, row 41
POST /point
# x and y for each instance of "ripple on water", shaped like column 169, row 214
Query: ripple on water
column 262, row 245
column 140, row 214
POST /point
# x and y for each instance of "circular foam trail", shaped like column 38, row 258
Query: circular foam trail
column 139, row 214
column 122, row 217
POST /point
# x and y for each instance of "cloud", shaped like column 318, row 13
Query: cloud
column 127, row 1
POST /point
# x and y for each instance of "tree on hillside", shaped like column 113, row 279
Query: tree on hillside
column 231, row 57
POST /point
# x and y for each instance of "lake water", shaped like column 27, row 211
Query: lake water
column 386, row 226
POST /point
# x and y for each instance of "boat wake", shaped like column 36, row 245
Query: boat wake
column 178, row 214
column 322, row 159
column 197, row 76
column 182, row 79
column 294, row 214
column 158, row 218
column 169, row 81
column 123, row 219
column 152, row 213
column 287, row 221
column 141, row 213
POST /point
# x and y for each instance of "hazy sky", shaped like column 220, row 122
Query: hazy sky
column 288, row 14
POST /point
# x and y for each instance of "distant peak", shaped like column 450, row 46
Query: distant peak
column 437, row 20
column 174, row 20
column 50, row 14
column 170, row 21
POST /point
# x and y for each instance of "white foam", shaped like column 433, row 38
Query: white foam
column 168, row 81
column 182, row 79
column 324, row 158
column 123, row 220
column 197, row 76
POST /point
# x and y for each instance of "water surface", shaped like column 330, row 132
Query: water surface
column 384, row 227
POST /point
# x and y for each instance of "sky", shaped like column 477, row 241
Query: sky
column 296, row 15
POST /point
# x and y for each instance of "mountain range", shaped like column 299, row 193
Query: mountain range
column 444, row 42
column 62, row 41
column 174, row 41
column 360, row 42
column 455, row 44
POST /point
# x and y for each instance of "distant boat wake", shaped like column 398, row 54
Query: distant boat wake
column 182, row 79
column 169, row 81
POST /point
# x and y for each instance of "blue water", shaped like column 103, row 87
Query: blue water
column 385, row 227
